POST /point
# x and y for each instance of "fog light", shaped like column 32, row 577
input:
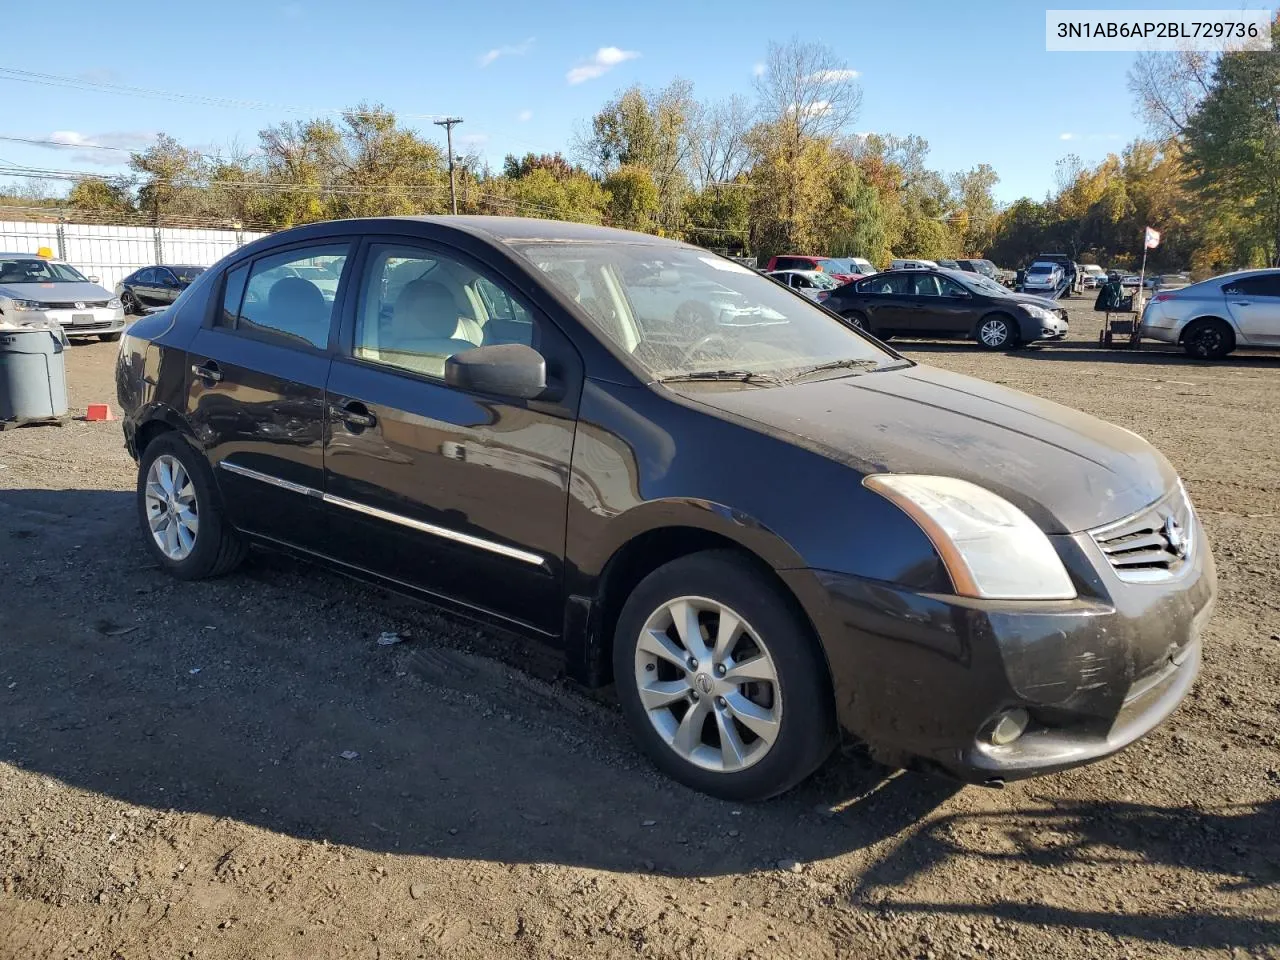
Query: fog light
column 1009, row 726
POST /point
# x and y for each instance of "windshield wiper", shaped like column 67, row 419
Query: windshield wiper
column 741, row 376
column 846, row 363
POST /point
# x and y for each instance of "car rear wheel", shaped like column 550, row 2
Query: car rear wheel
column 181, row 518
column 996, row 332
column 1209, row 339
column 721, row 680
column 858, row 319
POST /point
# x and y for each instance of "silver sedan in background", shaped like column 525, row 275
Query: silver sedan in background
column 1212, row 318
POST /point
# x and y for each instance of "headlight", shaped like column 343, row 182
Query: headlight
column 991, row 548
column 21, row 305
column 1040, row 313
column 114, row 303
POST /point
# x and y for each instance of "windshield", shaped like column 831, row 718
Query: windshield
column 680, row 311
column 825, row 281
column 39, row 271
column 980, row 284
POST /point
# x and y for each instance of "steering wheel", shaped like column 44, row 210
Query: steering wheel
column 702, row 343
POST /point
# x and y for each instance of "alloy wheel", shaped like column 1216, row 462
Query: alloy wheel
column 994, row 333
column 708, row 684
column 1207, row 341
column 172, row 511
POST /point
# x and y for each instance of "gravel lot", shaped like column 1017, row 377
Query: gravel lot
column 177, row 778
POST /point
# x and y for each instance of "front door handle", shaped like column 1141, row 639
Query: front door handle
column 207, row 371
column 1240, row 303
column 354, row 414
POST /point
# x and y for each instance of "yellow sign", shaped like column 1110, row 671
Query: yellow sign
column 45, row 252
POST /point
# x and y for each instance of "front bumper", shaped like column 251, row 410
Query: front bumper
column 91, row 321
column 920, row 678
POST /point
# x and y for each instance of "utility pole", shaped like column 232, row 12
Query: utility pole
column 448, row 124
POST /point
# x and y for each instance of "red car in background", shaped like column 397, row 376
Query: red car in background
column 844, row 270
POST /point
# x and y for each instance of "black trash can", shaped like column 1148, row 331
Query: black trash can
column 33, row 375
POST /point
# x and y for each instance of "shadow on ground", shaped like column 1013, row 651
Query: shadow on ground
column 1233, row 847
column 237, row 699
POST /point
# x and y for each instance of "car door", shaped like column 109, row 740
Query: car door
column 461, row 495
column 886, row 300
column 166, row 286
column 1254, row 303
column 255, row 391
column 953, row 313
column 143, row 286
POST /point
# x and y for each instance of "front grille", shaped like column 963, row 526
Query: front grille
column 76, row 304
column 1154, row 544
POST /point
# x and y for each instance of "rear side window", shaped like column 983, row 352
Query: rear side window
column 144, row 276
column 288, row 296
column 1264, row 286
column 793, row 263
column 886, row 284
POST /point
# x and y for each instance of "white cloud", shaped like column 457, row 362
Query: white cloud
column 833, row 76
column 87, row 147
column 815, row 109
column 511, row 50
column 758, row 70
column 600, row 63
column 1066, row 136
column 524, row 116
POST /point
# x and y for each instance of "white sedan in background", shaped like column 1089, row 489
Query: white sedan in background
column 36, row 289
column 814, row 284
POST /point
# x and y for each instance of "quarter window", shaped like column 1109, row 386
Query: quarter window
column 418, row 308
column 288, row 296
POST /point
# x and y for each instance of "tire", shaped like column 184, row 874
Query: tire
column 790, row 700
column 213, row 547
column 989, row 335
column 1209, row 339
column 110, row 337
column 132, row 308
column 858, row 319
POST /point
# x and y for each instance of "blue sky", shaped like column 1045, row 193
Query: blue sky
column 972, row 78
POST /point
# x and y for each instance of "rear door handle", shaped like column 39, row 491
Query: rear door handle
column 207, row 371
column 354, row 414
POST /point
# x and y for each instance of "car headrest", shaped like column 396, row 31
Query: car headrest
column 428, row 307
column 296, row 296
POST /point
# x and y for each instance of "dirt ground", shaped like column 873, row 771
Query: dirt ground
column 237, row 769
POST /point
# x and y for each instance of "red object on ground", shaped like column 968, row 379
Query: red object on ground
column 99, row 411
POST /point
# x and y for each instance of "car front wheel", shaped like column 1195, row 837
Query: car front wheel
column 178, row 510
column 996, row 333
column 721, row 680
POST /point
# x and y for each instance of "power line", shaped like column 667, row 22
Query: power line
column 121, row 89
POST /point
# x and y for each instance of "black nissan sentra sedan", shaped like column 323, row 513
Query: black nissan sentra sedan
column 760, row 523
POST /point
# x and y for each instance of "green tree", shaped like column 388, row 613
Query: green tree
column 1233, row 141
column 633, row 198
column 102, row 198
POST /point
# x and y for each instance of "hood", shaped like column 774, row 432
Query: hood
column 54, row 292
column 1066, row 470
column 1045, row 302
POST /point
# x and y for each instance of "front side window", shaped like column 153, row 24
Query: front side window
column 418, row 308
column 287, row 296
column 680, row 312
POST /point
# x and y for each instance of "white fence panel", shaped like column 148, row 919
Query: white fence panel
column 112, row 253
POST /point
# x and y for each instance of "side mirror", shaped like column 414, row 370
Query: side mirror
column 505, row 370
column 93, row 279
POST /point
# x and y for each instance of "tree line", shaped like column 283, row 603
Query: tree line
column 776, row 170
